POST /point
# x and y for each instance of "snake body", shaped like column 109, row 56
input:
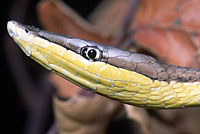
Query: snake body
column 128, row 77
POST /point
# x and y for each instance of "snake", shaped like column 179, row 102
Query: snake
column 128, row 77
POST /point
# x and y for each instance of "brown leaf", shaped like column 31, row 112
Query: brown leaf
column 55, row 16
column 84, row 115
column 172, row 45
column 109, row 15
column 169, row 29
column 65, row 89
column 141, row 116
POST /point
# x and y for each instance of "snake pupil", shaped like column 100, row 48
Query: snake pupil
column 92, row 54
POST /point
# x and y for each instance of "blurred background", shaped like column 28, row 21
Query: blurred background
column 169, row 31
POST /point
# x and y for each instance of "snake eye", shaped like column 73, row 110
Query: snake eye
column 91, row 53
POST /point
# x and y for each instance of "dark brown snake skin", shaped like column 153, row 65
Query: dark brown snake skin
column 148, row 66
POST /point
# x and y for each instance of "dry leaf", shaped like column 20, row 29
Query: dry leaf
column 55, row 16
column 84, row 114
column 170, row 29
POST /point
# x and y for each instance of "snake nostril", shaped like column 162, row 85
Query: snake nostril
column 26, row 30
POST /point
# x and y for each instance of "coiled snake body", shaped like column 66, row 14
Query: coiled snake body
column 125, row 76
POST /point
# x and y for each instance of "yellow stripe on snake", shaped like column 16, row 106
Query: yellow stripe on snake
column 125, row 76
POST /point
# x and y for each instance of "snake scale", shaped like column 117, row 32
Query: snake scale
column 125, row 76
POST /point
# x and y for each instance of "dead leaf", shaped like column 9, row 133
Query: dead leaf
column 84, row 115
column 141, row 116
column 169, row 29
column 55, row 16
